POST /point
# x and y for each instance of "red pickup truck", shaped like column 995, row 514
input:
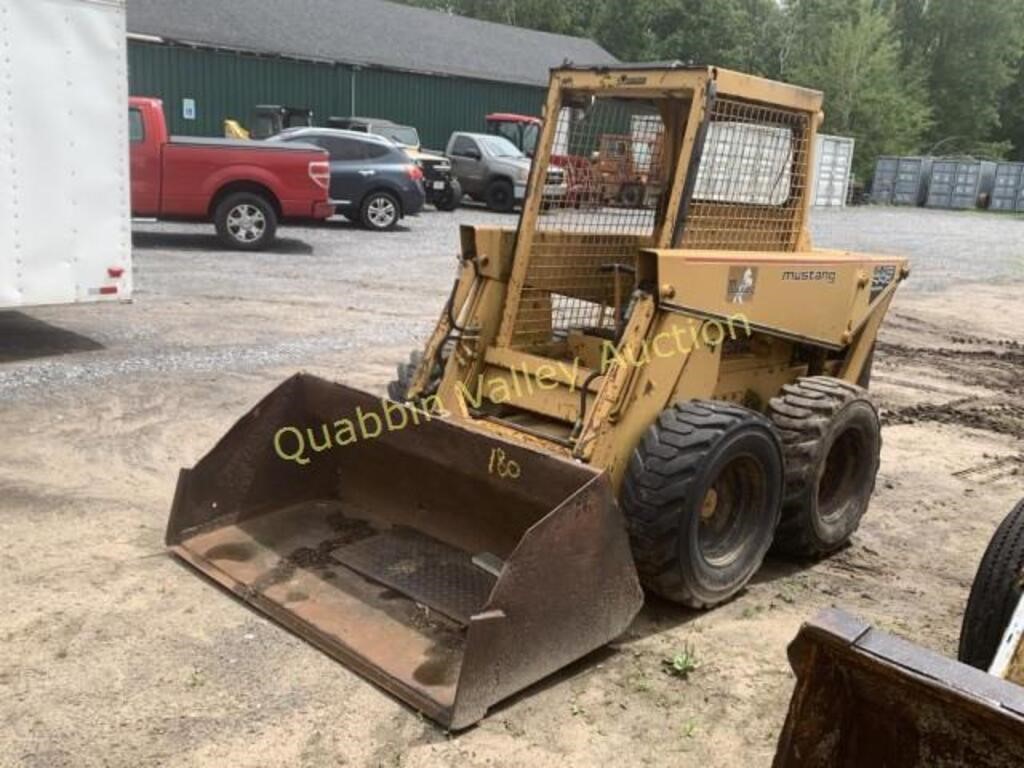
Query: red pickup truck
column 244, row 187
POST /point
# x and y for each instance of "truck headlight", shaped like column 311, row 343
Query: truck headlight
column 523, row 175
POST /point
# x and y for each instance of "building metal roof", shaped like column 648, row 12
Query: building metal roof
column 368, row 33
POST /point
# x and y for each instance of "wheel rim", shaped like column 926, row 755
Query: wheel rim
column 500, row 196
column 847, row 459
column 735, row 497
column 246, row 223
column 381, row 212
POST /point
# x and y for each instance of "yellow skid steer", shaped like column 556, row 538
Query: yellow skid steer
column 612, row 396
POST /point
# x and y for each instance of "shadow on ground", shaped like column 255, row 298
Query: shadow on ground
column 25, row 338
column 189, row 241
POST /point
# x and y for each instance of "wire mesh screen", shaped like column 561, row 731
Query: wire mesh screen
column 751, row 181
column 602, row 190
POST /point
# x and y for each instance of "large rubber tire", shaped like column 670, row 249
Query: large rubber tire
column 832, row 441
column 701, row 496
column 452, row 197
column 995, row 593
column 398, row 390
column 380, row 211
column 245, row 221
column 500, row 196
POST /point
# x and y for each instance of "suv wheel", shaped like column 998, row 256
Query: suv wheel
column 380, row 211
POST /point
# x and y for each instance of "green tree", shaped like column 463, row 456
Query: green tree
column 854, row 57
column 973, row 55
column 620, row 28
column 728, row 33
column 1011, row 115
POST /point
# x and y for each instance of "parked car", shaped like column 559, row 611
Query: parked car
column 493, row 170
column 373, row 180
column 246, row 188
column 443, row 192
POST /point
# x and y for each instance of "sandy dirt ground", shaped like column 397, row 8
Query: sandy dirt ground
column 115, row 654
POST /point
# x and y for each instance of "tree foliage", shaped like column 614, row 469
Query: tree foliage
column 898, row 75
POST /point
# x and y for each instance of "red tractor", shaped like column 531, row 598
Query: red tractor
column 524, row 132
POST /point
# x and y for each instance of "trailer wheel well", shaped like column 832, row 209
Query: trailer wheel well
column 244, row 186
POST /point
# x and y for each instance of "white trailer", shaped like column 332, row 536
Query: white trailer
column 65, row 227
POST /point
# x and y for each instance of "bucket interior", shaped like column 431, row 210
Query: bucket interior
column 379, row 551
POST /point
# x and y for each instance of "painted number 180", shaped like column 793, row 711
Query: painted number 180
column 502, row 466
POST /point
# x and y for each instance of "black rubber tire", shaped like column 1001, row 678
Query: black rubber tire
column 500, row 196
column 365, row 217
column 689, row 450
column 631, row 195
column 452, row 197
column 831, row 439
column 233, row 201
column 995, row 593
column 398, row 389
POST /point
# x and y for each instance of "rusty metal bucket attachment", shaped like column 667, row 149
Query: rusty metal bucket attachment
column 450, row 567
column 865, row 698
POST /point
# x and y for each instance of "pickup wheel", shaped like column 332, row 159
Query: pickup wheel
column 451, row 198
column 500, row 196
column 245, row 221
column 380, row 211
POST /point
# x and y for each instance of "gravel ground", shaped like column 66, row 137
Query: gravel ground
column 116, row 655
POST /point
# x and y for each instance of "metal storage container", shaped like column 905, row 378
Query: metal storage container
column 833, row 162
column 1008, row 188
column 901, row 180
column 960, row 183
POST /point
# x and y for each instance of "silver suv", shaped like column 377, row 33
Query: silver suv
column 494, row 171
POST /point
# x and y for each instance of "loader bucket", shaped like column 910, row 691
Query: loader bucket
column 865, row 698
column 450, row 567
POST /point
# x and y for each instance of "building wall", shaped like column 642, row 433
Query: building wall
column 225, row 84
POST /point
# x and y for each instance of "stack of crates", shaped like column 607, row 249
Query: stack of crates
column 960, row 183
column 1008, row 189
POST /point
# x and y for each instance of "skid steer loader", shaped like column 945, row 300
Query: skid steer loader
column 865, row 698
column 611, row 396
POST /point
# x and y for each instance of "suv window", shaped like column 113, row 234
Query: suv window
column 337, row 147
column 374, row 151
column 463, row 146
column 136, row 131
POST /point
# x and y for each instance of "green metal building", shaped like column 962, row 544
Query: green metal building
column 210, row 61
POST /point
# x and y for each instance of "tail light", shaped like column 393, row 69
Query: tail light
column 415, row 172
column 320, row 173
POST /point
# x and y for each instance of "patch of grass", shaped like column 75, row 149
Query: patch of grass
column 751, row 611
column 682, row 664
column 195, row 678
